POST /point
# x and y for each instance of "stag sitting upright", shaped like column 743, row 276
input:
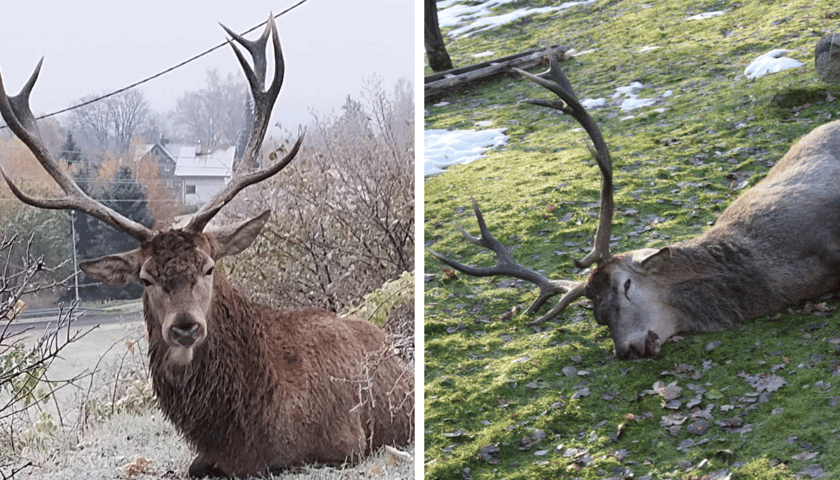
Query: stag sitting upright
column 251, row 388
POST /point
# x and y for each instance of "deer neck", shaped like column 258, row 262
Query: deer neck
column 225, row 370
column 715, row 282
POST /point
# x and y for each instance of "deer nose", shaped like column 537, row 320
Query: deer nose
column 185, row 330
column 637, row 348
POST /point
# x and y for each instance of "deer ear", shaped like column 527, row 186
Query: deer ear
column 114, row 269
column 649, row 261
column 235, row 238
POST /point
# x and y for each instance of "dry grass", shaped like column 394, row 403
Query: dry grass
column 105, row 452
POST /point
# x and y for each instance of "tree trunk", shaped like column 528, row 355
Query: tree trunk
column 435, row 49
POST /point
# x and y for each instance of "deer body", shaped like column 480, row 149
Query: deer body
column 777, row 244
column 251, row 388
column 272, row 389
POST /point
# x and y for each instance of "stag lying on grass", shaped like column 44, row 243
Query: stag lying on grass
column 251, row 388
column 777, row 244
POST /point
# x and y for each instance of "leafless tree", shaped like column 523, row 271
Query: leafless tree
column 110, row 124
column 214, row 115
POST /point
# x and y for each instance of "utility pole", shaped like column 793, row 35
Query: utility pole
column 75, row 261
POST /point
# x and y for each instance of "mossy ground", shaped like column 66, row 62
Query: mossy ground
column 498, row 403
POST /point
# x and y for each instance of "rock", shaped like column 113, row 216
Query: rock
column 827, row 57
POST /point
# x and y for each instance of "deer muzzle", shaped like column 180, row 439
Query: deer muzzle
column 640, row 347
column 186, row 330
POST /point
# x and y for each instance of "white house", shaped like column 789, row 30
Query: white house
column 203, row 174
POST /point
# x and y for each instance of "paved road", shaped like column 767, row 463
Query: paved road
column 101, row 350
column 83, row 318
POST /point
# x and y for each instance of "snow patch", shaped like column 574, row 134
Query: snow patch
column 476, row 18
column 631, row 100
column 771, row 62
column 705, row 15
column 444, row 147
column 594, row 102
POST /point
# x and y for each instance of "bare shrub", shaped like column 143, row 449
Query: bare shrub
column 24, row 385
column 343, row 221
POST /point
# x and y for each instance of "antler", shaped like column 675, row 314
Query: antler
column 18, row 116
column 505, row 265
column 555, row 80
column 263, row 103
column 570, row 105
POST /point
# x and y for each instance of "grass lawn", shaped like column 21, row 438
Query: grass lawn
column 503, row 400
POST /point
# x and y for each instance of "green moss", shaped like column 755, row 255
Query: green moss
column 497, row 381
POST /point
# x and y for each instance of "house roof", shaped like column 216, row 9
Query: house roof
column 146, row 149
column 213, row 164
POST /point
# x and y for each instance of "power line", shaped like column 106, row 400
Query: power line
column 175, row 67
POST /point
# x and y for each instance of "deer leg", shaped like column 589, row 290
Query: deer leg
column 203, row 467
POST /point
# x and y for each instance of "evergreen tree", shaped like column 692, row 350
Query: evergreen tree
column 70, row 152
column 126, row 196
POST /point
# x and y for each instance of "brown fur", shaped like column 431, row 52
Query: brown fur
column 779, row 243
column 272, row 389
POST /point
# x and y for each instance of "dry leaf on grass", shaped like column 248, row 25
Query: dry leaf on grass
column 138, row 466
column 395, row 457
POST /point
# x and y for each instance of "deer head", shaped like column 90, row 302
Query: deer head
column 176, row 267
column 624, row 288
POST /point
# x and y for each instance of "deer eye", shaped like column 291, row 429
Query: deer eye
column 627, row 288
column 209, row 271
column 146, row 282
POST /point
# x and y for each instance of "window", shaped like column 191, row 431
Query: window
column 189, row 189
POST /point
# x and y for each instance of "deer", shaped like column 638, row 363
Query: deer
column 775, row 245
column 253, row 390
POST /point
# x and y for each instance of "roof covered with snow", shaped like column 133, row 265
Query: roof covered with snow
column 213, row 164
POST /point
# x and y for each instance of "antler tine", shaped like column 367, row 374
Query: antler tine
column 569, row 104
column 506, row 265
column 263, row 103
column 18, row 116
column 236, row 185
column 263, row 98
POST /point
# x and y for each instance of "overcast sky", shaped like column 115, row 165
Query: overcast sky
column 89, row 47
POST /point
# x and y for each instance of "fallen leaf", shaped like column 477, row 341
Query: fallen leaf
column 813, row 471
column 395, row 457
column 140, row 465
column 764, row 381
column 450, row 274
column 805, row 456
column 490, row 453
column 376, row 471
column 584, row 392
column 670, row 392
column 700, row 427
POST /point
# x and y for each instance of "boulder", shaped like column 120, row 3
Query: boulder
column 827, row 57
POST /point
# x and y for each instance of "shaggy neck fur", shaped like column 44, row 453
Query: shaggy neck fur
column 215, row 401
column 716, row 284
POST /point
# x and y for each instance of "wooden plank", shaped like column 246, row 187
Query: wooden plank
column 442, row 81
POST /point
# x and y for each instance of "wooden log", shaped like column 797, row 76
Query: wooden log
column 442, row 81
